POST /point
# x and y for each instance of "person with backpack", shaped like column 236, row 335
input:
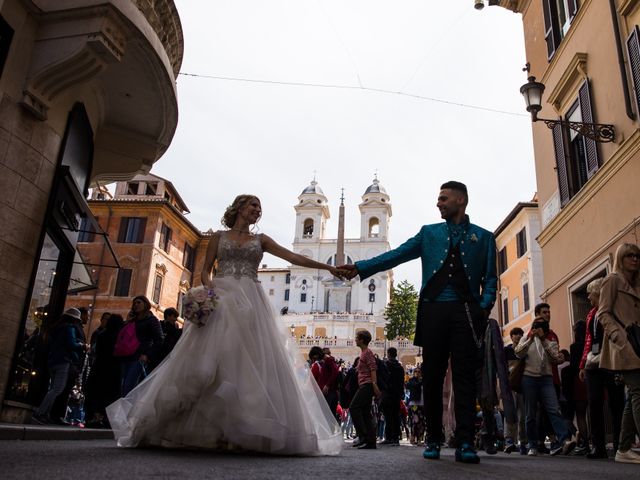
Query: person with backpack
column 392, row 395
column 138, row 342
column 65, row 348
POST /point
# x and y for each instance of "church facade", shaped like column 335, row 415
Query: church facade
column 319, row 309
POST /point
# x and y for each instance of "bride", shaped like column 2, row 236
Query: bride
column 239, row 380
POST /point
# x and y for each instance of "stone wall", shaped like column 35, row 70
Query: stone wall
column 28, row 155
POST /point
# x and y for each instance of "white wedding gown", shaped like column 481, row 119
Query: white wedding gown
column 236, row 382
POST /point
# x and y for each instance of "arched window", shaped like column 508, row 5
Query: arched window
column 374, row 227
column 332, row 259
column 307, row 228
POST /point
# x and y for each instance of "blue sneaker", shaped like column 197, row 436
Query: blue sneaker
column 466, row 454
column 432, row 452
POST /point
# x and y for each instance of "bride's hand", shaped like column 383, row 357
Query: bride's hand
column 336, row 273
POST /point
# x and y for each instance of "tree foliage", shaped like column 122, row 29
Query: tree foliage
column 400, row 313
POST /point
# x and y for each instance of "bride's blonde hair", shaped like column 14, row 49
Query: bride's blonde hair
column 231, row 213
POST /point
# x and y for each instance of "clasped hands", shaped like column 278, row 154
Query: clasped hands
column 345, row 272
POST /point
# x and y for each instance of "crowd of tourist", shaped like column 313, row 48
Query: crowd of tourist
column 87, row 377
column 533, row 397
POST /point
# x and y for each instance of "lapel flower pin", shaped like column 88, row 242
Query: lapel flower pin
column 473, row 238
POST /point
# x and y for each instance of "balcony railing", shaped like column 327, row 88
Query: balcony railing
column 349, row 342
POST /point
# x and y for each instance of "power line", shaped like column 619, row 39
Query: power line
column 354, row 87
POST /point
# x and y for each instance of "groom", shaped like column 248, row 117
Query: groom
column 458, row 291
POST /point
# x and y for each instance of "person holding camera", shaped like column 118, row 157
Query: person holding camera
column 540, row 352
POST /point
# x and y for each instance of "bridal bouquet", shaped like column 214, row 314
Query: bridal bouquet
column 198, row 303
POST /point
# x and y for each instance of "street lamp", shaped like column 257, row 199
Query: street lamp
column 532, row 92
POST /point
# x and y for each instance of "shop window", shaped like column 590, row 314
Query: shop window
column 132, row 229
column 502, row 260
column 521, row 241
column 6, row 35
column 558, row 15
column 165, row 237
column 157, row 289
column 123, row 282
column 189, row 257
column 576, row 155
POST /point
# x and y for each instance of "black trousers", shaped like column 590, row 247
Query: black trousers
column 360, row 409
column 447, row 333
column 391, row 410
column 599, row 381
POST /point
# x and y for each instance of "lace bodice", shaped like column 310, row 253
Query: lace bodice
column 236, row 260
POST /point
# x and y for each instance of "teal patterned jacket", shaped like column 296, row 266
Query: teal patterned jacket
column 431, row 244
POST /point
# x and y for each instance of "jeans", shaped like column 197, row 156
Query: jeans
column 133, row 371
column 58, row 381
column 516, row 431
column 541, row 389
column 631, row 414
column 360, row 409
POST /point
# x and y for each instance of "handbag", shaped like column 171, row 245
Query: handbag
column 633, row 335
column 127, row 342
column 592, row 362
column 515, row 376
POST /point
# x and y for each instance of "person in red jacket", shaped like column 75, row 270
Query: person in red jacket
column 325, row 370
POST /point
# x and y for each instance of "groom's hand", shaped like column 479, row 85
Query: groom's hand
column 350, row 271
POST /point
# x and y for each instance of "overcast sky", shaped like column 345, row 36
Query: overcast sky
column 268, row 139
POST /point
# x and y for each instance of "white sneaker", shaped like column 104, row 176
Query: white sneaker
column 627, row 457
column 533, row 452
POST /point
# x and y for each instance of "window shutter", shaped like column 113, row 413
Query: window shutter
column 587, row 116
column 633, row 49
column 142, row 225
column 551, row 27
column 561, row 164
column 122, row 234
column 573, row 8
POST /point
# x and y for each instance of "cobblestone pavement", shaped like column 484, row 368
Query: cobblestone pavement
column 100, row 459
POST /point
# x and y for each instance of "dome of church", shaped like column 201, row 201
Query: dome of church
column 375, row 187
column 313, row 189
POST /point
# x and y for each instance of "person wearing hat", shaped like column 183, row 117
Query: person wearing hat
column 138, row 343
column 65, row 348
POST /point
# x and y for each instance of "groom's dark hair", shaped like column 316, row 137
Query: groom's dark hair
column 458, row 187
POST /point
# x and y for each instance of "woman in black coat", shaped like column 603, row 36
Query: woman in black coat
column 104, row 384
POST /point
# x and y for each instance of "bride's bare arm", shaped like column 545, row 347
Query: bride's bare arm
column 269, row 245
column 209, row 260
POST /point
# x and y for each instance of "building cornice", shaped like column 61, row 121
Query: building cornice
column 155, row 202
column 569, row 81
column 628, row 149
column 512, row 215
column 516, row 6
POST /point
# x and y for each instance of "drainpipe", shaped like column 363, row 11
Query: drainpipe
column 623, row 72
